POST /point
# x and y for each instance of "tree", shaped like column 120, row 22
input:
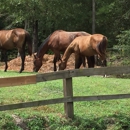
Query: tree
column 93, row 16
column 42, row 17
column 18, row 10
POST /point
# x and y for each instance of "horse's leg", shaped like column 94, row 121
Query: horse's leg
column 104, row 63
column 96, row 60
column 78, row 61
column 57, row 57
column 83, row 61
column 22, row 54
column 54, row 61
column 5, row 59
column 91, row 61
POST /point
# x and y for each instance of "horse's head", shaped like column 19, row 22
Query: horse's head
column 37, row 63
column 62, row 65
column 99, row 62
column 102, row 56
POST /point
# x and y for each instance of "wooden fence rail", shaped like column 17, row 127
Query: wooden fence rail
column 67, row 76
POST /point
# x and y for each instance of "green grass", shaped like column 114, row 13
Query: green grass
column 93, row 115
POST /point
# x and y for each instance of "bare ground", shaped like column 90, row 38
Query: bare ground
column 47, row 66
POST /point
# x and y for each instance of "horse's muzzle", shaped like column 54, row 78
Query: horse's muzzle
column 34, row 70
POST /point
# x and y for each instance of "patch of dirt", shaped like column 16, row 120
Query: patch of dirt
column 47, row 66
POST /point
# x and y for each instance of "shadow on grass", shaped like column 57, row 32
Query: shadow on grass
column 122, row 76
column 53, row 122
column 112, row 122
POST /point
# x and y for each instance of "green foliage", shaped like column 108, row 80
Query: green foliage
column 19, row 11
column 51, row 122
column 124, row 38
column 36, row 123
column 112, row 17
column 124, row 42
column 6, row 123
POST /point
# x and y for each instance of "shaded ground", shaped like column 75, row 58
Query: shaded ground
column 47, row 66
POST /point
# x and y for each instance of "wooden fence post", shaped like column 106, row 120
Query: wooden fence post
column 68, row 92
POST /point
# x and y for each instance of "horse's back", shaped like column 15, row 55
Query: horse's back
column 20, row 32
column 5, row 34
column 84, row 45
column 72, row 35
column 79, row 43
column 98, row 37
column 67, row 36
column 13, row 38
column 61, row 39
column 6, row 39
column 81, row 40
column 23, row 37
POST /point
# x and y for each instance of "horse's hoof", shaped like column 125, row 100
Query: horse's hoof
column 20, row 71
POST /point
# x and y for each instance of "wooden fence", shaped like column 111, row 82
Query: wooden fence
column 67, row 76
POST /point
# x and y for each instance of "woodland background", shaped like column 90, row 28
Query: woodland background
column 42, row 17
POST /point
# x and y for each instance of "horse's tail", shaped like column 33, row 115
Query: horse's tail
column 101, row 48
column 28, row 40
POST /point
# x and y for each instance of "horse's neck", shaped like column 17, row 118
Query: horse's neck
column 67, row 54
column 42, row 51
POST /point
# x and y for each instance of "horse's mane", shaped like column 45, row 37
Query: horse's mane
column 46, row 41
column 43, row 44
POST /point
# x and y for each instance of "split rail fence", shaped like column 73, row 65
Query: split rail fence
column 67, row 76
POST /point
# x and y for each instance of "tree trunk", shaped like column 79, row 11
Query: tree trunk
column 35, row 36
column 26, row 24
column 93, row 16
column 93, row 26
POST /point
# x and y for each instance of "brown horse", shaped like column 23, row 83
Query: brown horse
column 15, row 38
column 58, row 41
column 85, row 46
